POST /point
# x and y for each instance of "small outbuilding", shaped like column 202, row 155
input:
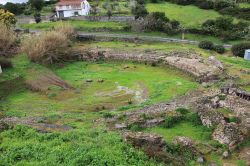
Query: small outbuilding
column 247, row 55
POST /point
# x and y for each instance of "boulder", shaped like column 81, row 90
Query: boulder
column 187, row 144
column 228, row 133
column 210, row 118
column 139, row 139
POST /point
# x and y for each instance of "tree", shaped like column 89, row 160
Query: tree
column 139, row 11
column 109, row 13
column 7, row 17
column 37, row 4
column 14, row 8
column 37, row 17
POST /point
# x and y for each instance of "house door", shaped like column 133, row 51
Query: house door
column 61, row 14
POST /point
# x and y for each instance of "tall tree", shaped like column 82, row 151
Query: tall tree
column 37, row 4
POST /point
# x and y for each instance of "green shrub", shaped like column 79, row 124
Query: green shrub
column 5, row 63
column 208, row 45
column 136, row 127
column 108, row 115
column 239, row 49
column 219, row 49
column 182, row 111
column 170, row 121
column 194, row 118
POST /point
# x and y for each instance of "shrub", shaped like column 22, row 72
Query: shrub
column 170, row 121
column 239, row 49
column 208, row 45
column 194, row 118
column 5, row 63
column 37, row 17
column 182, row 111
column 218, row 5
column 219, row 49
column 7, row 18
column 7, row 38
column 48, row 47
column 66, row 29
column 139, row 11
column 207, row 4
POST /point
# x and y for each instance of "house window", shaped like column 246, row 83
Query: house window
column 76, row 14
column 67, row 6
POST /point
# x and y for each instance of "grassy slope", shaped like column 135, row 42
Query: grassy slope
column 189, row 16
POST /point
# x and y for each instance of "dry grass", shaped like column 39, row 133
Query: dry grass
column 7, row 38
column 49, row 47
column 66, row 29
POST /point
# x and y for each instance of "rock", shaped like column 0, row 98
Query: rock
column 100, row 80
column 120, row 126
column 228, row 133
column 245, row 154
column 212, row 164
column 153, row 122
column 187, row 144
column 225, row 154
column 139, row 139
column 200, row 160
column 184, row 141
column 210, row 118
column 3, row 126
column 126, row 67
column 154, row 146
column 215, row 102
column 89, row 80
column 216, row 62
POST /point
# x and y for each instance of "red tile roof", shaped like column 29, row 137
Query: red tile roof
column 69, row 2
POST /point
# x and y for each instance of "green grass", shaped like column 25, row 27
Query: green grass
column 189, row 16
column 187, row 129
column 244, row 5
column 79, row 25
column 139, row 83
column 84, row 146
column 87, row 143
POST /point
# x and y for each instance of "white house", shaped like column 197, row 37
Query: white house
column 69, row 8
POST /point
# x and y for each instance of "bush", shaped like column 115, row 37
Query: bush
column 139, row 11
column 219, row 49
column 208, row 45
column 194, row 118
column 47, row 48
column 66, row 29
column 239, row 49
column 7, row 38
column 182, row 111
column 7, row 18
column 5, row 63
column 170, row 121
